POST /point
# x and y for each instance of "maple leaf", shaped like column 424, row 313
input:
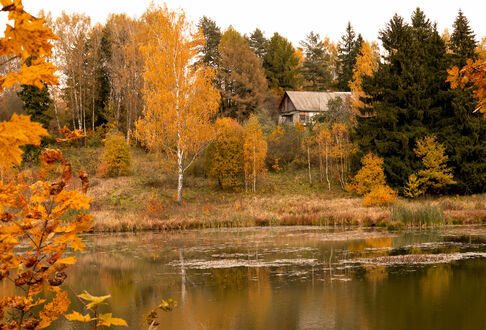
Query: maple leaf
column 52, row 310
column 93, row 300
column 67, row 261
column 75, row 316
column 108, row 320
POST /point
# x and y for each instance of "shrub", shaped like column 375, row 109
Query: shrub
column 380, row 196
column 116, row 157
column 224, row 157
column 369, row 176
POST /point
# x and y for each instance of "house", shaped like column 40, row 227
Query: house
column 302, row 106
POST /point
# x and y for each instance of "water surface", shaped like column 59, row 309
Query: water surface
column 291, row 278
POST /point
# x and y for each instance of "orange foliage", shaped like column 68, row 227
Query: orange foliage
column 34, row 215
column 254, row 151
column 369, row 176
column 366, row 64
column 473, row 73
column 26, row 37
column 180, row 97
column 380, row 196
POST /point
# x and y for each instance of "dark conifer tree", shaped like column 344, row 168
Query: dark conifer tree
column 349, row 48
column 462, row 131
column 36, row 103
column 463, row 41
column 316, row 68
column 212, row 34
column 281, row 64
column 258, row 43
column 406, row 96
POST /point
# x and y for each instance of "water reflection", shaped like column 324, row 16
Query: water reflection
column 290, row 278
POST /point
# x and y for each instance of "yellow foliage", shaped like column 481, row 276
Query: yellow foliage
column 224, row 157
column 380, row 196
column 26, row 37
column 435, row 176
column 75, row 316
column 254, row 151
column 366, row 64
column 52, row 310
column 116, row 156
column 369, row 176
column 18, row 131
column 107, row 320
column 180, row 97
column 413, row 187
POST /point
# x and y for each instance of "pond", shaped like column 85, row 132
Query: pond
column 290, row 278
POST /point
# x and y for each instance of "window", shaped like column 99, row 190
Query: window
column 304, row 118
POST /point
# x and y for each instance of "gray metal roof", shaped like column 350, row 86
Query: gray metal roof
column 313, row 101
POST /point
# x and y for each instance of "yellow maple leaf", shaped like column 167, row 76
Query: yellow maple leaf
column 94, row 300
column 67, row 261
column 107, row 320
column 75, row 316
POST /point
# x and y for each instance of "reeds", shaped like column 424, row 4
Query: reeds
column 417, row 214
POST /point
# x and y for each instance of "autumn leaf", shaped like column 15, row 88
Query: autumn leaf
column 75, row 316
column 107, row 320
column 52, row 310
column 67, row 261
column 93, row 300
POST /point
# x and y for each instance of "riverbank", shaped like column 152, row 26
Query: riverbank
column 144, row 200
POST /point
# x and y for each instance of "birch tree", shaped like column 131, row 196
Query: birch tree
column 180, row 97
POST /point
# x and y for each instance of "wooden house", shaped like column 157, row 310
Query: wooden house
column 302, row 106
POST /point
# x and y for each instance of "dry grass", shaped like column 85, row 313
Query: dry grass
column 144, row 201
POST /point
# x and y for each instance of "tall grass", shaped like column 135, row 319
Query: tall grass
column 417, row 214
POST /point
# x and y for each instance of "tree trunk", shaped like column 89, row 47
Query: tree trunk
column 309, row 164
column 180, row 178
column 254, row 168
column 327, row 165
column 320, row 162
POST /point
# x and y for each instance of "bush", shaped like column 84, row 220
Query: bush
column 224, row 157
column 369, row 176
column 116, row 157
column 380, row 196
column 284, row 144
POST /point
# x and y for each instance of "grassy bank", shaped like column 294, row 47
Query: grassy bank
column 144, row 200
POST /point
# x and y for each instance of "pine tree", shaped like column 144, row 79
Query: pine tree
column 258, row 43
column 406, row 96
column 348, row 50
column 212, row 35
column 282, row 65
column 316, row 68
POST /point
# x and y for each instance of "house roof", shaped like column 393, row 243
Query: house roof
column 312, row 101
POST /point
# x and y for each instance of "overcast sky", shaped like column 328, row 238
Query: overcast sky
column 292, row 19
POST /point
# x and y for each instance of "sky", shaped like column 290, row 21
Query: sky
column 292, row 19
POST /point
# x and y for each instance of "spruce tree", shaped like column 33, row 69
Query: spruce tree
column 463, row 132
column 36, row 103
column 463, row 41
column 405, row 96
column 349, row 48
column 316, row 68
